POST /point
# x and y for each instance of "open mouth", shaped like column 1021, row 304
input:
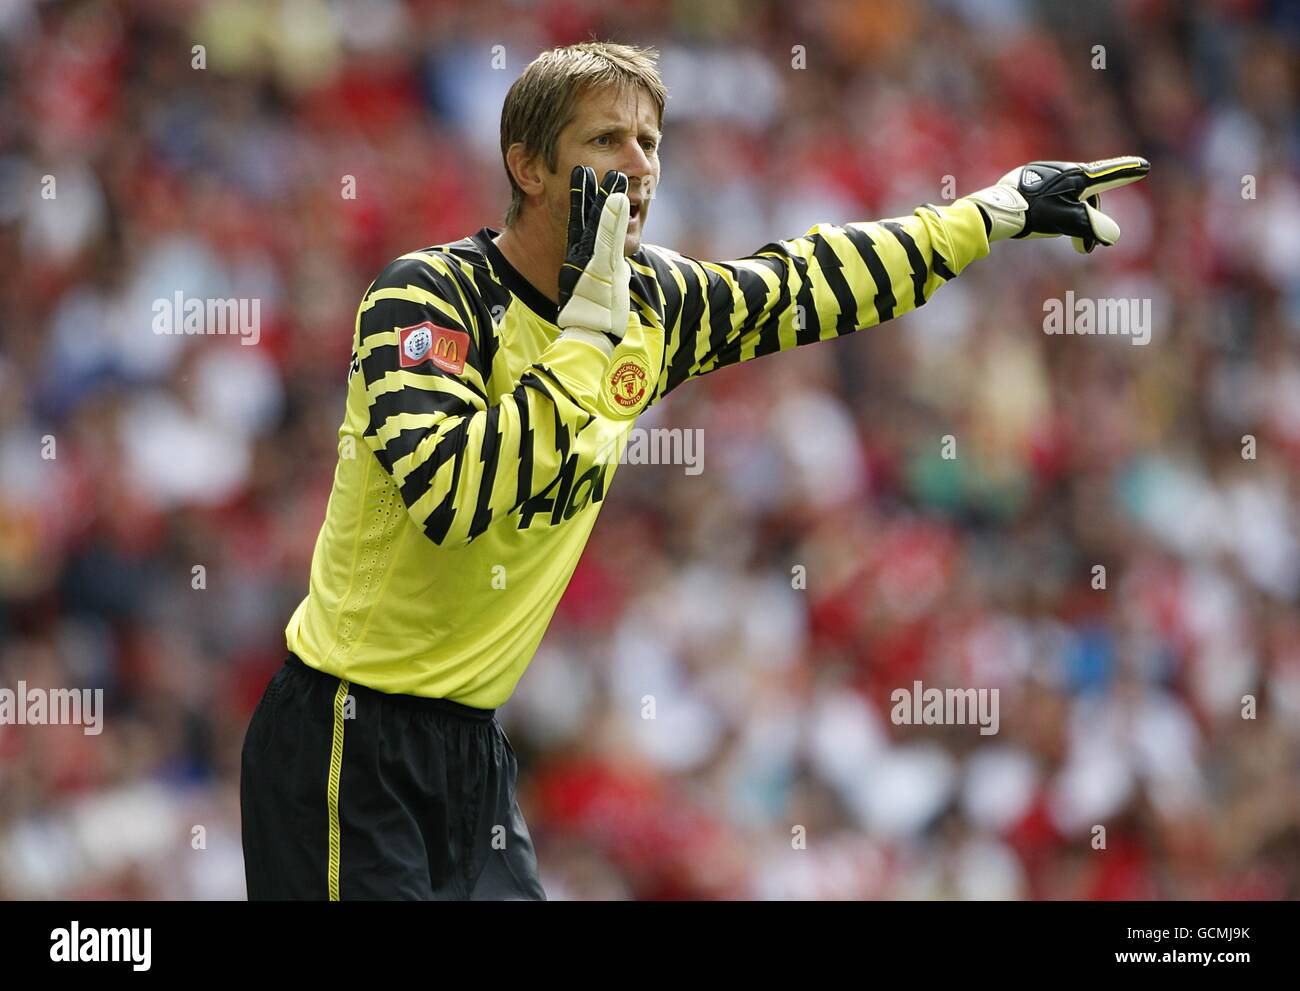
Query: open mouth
column 635, row 211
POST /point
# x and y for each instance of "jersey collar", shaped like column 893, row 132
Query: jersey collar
column 509, row 276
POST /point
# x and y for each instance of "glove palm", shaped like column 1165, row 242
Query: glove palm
column 594, row 299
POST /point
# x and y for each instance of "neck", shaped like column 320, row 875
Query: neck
column 534, row 254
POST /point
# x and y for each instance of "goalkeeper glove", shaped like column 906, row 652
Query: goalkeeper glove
column 594, row 300
column 1047, row 199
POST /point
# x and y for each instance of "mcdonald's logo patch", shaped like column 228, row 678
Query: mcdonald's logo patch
column 426, row 341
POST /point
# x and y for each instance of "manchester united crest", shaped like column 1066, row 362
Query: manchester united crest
column 628, row 384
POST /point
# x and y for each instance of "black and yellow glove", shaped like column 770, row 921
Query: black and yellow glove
column 1050, row 199
column 594, row 295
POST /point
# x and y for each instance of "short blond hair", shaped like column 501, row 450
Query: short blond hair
column 541, row 101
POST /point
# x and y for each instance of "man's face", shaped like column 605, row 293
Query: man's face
column 609, row 131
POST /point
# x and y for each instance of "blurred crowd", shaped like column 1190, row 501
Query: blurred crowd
column 1115, row 547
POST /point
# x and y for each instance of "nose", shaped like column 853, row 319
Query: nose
column 636, row 165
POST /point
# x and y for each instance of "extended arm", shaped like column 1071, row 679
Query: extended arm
column 838, row 279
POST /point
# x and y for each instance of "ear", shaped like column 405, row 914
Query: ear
column 526, row 167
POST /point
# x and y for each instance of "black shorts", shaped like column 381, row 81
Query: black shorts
column 351, row 793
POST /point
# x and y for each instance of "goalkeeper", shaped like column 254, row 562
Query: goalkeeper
column 493, row 381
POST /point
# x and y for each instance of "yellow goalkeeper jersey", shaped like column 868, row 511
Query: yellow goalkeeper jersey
column 478, row 447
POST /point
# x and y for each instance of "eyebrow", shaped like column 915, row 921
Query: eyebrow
column 602, row 127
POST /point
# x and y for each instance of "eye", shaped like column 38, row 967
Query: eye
column 602, row 139
column 649, row 145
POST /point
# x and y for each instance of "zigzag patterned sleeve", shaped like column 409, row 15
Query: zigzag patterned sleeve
column 834, row 280
column 420, row 402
